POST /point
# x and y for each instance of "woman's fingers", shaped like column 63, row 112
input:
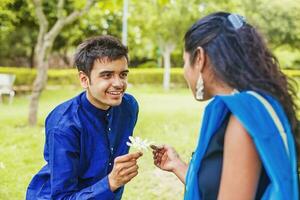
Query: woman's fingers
column 156, row 159
column 156, row 147
column 160, row 155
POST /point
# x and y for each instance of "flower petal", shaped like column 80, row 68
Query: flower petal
column 128, row 144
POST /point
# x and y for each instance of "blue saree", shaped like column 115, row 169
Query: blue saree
column 275, row 145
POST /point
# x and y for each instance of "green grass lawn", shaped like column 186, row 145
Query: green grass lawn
column 171, row 117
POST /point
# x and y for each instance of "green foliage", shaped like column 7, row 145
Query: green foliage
column 63, row 77
column 18, row 34
column 103, row 18
column 289, row 58
column 151, row 25
column 148, row 64
column 25, row 76
column 292, row 73
column 162, row 25
column 6, row 18
column 278, row 21
column 154, row 76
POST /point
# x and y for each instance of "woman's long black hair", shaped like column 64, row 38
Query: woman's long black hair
column 241, row 59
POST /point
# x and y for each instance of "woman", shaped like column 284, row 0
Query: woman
column 247, row 147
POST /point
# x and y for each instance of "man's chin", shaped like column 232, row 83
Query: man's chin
column 115, row 102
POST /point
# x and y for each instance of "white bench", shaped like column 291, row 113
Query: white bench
column 6, row 86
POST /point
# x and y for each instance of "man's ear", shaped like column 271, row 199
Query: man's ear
column 84, row 79
column 200, row 59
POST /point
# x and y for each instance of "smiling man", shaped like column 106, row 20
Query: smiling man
column 85, row 150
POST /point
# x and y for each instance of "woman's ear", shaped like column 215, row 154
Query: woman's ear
column 84, row 80
column 200, row 59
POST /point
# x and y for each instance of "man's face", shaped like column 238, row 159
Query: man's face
column 107, row 82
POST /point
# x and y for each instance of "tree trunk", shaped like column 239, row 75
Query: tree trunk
column 124, row 22
column 37, row 89
column 167, row 65
column 43, row 47
column 41, row 56
column 31, row 59
column 65, row 58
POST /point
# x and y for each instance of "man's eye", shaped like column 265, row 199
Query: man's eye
column 123, row 75
column 106, row 75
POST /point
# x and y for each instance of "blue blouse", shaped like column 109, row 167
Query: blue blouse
column 211, row 169
column 82, row 142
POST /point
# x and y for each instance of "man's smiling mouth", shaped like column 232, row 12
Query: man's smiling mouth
column 115, row 92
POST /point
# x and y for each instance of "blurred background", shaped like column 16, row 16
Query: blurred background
column 37, row 43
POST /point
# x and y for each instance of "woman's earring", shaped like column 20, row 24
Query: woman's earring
column 200, row 88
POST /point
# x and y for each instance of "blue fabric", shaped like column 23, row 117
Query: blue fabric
column 281, row 169
column 209, row 174
column 82, row 142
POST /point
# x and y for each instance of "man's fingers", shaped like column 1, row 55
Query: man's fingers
column 124, row 165
column 128, row 157
column 131, row 175
column 137, row 155
column 129, row 170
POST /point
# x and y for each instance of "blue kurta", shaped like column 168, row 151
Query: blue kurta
column 276, row 148
column 82, row 142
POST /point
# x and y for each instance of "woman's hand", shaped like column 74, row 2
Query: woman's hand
column 167, row 159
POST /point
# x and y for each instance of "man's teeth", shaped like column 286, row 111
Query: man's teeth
column 115, row 93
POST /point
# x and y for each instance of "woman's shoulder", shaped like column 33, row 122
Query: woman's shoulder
column 245, row 95
column 248, row 98
column 254, row 109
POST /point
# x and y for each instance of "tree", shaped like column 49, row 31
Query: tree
column 164, row 24
column 6, row 18
column 109, row 21
column 46, row 38
column 279, row 22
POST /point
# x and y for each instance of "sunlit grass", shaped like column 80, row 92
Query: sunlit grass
column 171, row 117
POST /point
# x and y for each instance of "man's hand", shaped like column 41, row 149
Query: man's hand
column 125, row 168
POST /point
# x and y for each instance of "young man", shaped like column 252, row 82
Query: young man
column 86, row 152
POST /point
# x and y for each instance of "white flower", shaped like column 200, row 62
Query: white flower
column 137, row 142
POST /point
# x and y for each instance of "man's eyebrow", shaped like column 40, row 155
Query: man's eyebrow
column 110, row 71
column 106, row 72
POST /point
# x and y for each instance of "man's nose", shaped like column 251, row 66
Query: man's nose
column 118, row 82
